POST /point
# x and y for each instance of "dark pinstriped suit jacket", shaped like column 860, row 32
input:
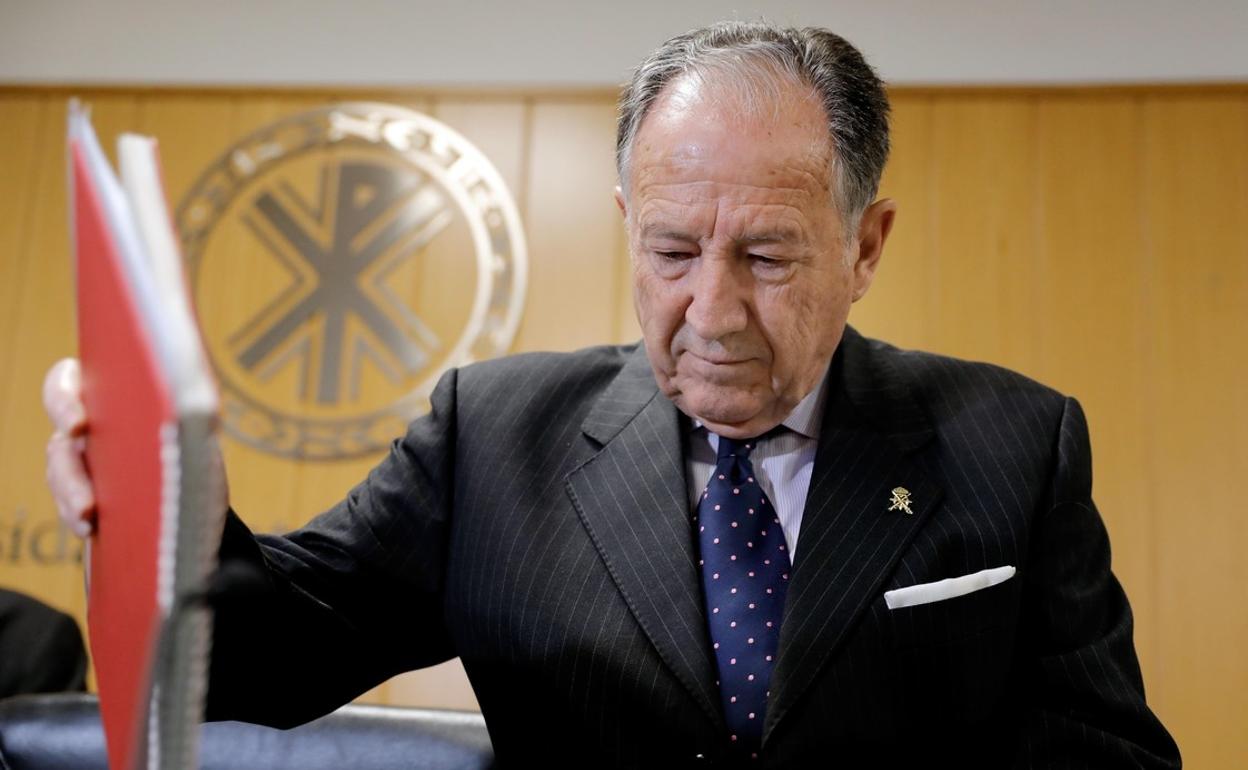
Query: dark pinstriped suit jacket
column 536, row 524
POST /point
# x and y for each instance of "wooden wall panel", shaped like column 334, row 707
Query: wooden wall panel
column 572, row 226
column 901, row 303
column 1091, row 238
column 23, row 132
column 983, row 232
column 1195, row 207
column 1090, row 304
column 500, row 128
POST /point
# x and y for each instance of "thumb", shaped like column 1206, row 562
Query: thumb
column 62, row 397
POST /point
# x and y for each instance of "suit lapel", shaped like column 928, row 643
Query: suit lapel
column 633, row 500
column 850, row 542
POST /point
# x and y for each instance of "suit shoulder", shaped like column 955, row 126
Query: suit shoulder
column 959, row 383
column 584, row 371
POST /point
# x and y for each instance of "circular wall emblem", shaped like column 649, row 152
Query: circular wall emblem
column 341, row 260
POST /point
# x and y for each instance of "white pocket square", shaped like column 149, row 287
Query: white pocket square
column 926, row 593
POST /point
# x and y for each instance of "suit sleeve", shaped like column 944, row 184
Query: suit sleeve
column 1088, row 707
column 330, row 610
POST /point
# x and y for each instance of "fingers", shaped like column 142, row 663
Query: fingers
column 70, row 484
column 62, row 397
column 66, row 473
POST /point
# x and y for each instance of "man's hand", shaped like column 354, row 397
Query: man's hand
column 66, row 471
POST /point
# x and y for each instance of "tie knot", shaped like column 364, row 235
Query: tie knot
column 739, row 448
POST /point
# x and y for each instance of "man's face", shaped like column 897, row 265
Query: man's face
column 742, row 274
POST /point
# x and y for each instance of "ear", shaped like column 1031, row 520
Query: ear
column 619, row 201
column 873, row 230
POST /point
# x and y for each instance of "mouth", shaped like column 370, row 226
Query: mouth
column 692, row 370
column 718, row 360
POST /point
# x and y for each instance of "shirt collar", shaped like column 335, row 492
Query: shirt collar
column 806, row 417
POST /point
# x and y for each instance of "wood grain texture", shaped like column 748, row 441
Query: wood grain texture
column 1090, row 238
column 1091, row 286
column 572, row 226
column 1196, row 201
column 901, row 301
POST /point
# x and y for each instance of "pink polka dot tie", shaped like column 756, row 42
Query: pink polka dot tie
column 745, row 571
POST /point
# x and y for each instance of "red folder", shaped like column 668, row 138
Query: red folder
column 147, row 454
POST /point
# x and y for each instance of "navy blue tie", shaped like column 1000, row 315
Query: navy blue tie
column 745, row 570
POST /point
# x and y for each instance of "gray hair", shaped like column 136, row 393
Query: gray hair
column 852, row 94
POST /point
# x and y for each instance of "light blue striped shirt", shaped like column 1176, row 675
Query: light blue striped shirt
column 783, row 462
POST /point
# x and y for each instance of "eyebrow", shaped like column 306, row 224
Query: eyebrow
column 665, row 231
column 781, row 235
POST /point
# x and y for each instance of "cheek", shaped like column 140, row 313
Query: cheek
column 659, row 310
column 801, row 323
column 789, row 316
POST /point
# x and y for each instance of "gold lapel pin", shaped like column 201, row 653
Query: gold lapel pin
column 901, row 500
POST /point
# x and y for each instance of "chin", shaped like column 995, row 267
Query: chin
column 719, row 410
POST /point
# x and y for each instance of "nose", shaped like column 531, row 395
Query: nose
column 718, row 305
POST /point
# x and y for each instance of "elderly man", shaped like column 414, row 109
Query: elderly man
column 758, row 537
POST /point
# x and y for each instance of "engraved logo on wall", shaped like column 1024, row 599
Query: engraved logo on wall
column 342, row 259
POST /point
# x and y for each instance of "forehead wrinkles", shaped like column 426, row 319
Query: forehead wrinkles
column 740, row 212
column 701, row 160
column 693, row 173
column 756, row 169
column 720, row 219
column 672, row 188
